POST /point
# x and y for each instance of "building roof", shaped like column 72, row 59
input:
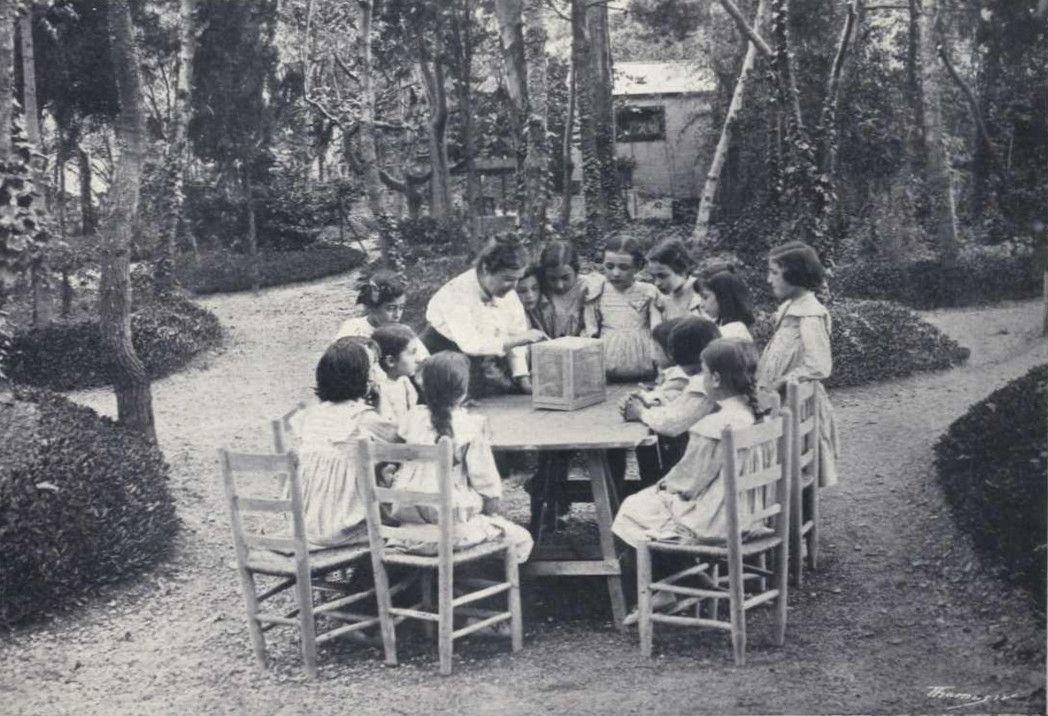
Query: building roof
column 661, row 78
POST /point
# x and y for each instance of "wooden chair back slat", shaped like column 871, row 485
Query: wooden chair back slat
column 410, row 498
column 405, row 452
column 760, row 478
column 282, row 433
column 256, row 463
column 759, row 516
column 277, row 544
column 259, row 504
column 428, row 533
column 755, row 459
column 763, row 432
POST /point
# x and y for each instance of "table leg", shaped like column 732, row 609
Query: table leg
column 603, row 494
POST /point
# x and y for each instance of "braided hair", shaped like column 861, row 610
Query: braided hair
column 736, row 363
column 445, row 382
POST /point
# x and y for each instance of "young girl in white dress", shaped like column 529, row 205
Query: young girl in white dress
column 334, row 513
column 800, row 347
column 383, row 299
column 726, row 300
column 400, row 354
column 670, row 265
column 621, row 311
column 476, row 483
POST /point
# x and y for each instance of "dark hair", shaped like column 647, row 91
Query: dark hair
column 505, row 251
column 661, row 333
column 623, row 243
column 383, row 287
column 733, row 298
column 800, row 264
column 558, row 253
column 392, row 339
column 736, row 364
column 689, row 339
column 673, row 253
column 343, row 371
column 445, row 380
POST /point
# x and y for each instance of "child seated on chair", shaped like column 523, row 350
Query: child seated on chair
column 676, row 404
column 400, row 353
column 688, row 503
column 476, row 483
column 334, row 513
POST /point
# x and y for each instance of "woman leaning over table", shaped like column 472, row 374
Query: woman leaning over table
column 479, row 314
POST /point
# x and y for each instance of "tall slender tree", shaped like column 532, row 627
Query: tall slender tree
column 130, row 380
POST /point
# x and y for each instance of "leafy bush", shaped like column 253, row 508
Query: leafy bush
column 165, row 334
column 992, row 464
column 876, row 340
column 82, row 502
column 224, row 272
column 428, row 231
column 978, row 277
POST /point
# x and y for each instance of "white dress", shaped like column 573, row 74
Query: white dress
column 359, row 326
column 623, row 321
column 324, row 436
column 474, row 477
column 736, row 330
column 395, row 397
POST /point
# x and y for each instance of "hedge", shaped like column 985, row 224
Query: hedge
column 877, row 340
column 976, row 279
column 224, row 272
column 992, row 464
column 82, row 502
column 166, row 335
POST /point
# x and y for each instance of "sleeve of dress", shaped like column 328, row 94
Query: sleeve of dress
column 817, row 359
column 679, row 415
column 707, row 467
column 448, row 312
column 655, row 309
column 591, row 309
column 480, row 464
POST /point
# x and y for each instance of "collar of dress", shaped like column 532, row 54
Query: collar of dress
column 486, row 298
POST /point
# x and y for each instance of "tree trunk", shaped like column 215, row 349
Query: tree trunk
column 252, row 229
column 88, row 220
column 40, row 271
column 7, row 56
column 827, row 133
column 943, row 214
column 368, row 140
column 511, row 34
column 708, row 199
column 164, row 279
column 596, row 200
column 462, row 29
column 130, row 381
column 433, row 79
column 565, row 150
column 537, row 161
column 604, row 111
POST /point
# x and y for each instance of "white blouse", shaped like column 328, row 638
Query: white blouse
column 736, row 330
column 479, row 323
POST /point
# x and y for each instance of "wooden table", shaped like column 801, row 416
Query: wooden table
column 516, row 426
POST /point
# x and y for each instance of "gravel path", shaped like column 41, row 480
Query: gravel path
column 899, row 605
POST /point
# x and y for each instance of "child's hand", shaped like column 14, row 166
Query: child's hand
column 491, row 506
column 631, row 413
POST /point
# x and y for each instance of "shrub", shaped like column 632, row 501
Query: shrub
column 82, row 502
column 876, row 340
column 166, row 335
column 978, row 277
column 223, row 272
column 428, row 231
column 992, row 464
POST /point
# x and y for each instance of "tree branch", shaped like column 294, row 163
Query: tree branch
column 973, row 103
column 749, row 32
column 345, row 68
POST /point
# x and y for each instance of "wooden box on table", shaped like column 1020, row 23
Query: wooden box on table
column 567, row 373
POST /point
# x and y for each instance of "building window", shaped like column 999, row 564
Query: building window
column 640, row 124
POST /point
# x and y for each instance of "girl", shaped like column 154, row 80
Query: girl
column 670, row 265
column 800, row 347
column 478, row 313
column 399, row 358
column 383, row 299
column 529, row 293
column 334, row 513
column 664, row 364
column 688, row 503
column 476, row 483
column 560, row 309
column 622, row 311
column 726, row 300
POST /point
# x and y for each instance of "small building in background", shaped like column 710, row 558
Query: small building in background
column 664, row 134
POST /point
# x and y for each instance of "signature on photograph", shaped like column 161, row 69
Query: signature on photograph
column 964, row 698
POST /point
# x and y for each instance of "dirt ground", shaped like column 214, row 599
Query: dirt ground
column 900, row 604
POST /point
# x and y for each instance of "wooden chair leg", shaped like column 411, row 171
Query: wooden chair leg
column 258, row 639
column 445, row 623
column 306, row 623
column 738, row 614
column 796, row 539
column 603, row 499
column 813, row 534
column 426, row 585
column 516, row 619
column 781, row 578
column 715, row 605
column 644, row 622
column 384, row 600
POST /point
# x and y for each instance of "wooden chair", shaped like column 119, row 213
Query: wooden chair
column 751, row 496
column 282, row 428
column 443, row 564
column 285, row 558
column 804, row 477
